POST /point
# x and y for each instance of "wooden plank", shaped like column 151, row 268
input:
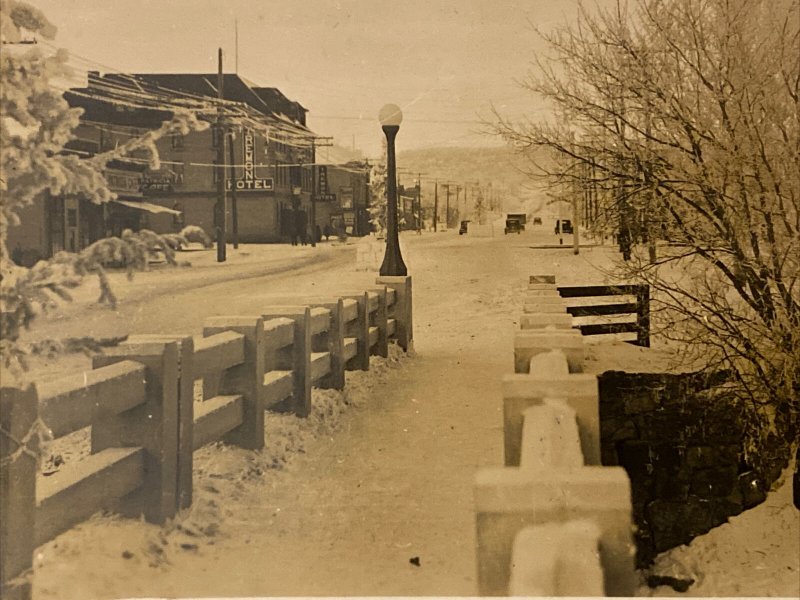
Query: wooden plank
column 391, row 327
column 350, row 348
column 320, row 320
column 279, row 333
column 349, row 310
column 374, row 334
column 580, row 291
column 74, row 402
column 391, row 297
column 215, row 417
column 320, row 365
column 75, row 493
column 603, row 328
column 216, row 353
column 277, row 387
column 602, row 309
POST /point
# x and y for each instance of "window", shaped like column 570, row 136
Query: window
column 215, row 172
column 177, row 141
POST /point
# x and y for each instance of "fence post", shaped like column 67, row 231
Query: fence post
column 300, row 402
column 152, row 425
column 402, row 312
column 509, row 499
column 578, row 390
column 335, row 345
column 245, row 379
column 381, row 322
column 643, row 316
column 19, row 450
column 361, row 333
column 529, row 343
column 185, row 409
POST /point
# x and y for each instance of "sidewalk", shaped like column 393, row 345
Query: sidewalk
column 348, row 515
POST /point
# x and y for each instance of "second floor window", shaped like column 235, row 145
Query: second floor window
column 177, row 141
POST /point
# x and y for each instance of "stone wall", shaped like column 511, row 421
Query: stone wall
column 680, row 437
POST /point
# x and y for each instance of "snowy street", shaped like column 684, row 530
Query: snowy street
column 394, row 483
column 361, row 494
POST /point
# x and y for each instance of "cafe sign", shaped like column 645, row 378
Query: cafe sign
column 249, row 182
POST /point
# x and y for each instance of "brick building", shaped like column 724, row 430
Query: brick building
column 269, row 146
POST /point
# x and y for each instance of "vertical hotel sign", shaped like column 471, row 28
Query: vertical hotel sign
column 249, row 182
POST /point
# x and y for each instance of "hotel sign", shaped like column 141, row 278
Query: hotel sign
column 249, row 182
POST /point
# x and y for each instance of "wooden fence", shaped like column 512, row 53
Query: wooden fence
column 145, row 423
column 640, row 308
column 552, row 521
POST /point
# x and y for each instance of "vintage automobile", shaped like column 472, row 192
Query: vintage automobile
column 515, row 224
column 463, row 228
column 563, row 226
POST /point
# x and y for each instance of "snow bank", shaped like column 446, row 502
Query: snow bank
column 756, row 553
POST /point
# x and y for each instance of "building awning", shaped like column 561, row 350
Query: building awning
column 149, row 207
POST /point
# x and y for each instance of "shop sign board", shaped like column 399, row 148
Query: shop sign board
column 249, row 182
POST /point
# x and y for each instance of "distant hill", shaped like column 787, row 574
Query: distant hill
column 499, row 171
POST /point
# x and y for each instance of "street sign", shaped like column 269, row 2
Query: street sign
column 322, row 180
column 325, row 197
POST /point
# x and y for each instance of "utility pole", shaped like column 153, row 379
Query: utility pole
column 447, row 209
column 435, row 205
column 219, row 209
column 313, row 193
column 327, row 141
column 234, row 210
column 419, row 203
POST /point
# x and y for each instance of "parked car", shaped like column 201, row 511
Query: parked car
column 463, row 228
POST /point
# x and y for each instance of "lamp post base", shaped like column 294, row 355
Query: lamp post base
column 393, row 264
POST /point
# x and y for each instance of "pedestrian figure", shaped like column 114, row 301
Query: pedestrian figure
column 318, row 234
column 327, row 231
column 558, row 227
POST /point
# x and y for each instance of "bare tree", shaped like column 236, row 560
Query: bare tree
column 686, row 114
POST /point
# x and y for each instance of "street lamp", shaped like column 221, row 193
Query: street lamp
column 390, row 117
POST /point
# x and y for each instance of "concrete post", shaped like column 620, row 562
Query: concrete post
column 245, row 379
column 550, row 438
column 579, row 391
column 510, row 499
column 528, row 344
column 545, row 320
column 152, row 425
column 402, row 309
column 557, row 560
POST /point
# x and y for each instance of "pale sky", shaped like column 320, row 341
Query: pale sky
column 443, row 62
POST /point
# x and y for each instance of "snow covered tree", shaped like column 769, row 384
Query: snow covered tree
column 686, row 114
column 35, row 124
column 377, row 194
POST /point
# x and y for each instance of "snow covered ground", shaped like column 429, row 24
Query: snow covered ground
column 340, row 504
